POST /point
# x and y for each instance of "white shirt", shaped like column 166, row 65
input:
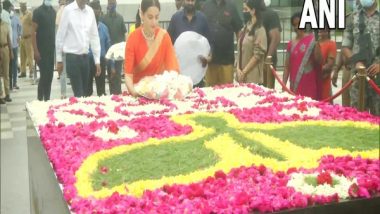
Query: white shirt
column 77, row 32
column 6, row 17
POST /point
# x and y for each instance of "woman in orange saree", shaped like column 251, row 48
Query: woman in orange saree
column 149, row 49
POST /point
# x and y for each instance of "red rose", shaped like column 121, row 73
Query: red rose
column 262, row 169
column 220, row 174
column 112, row 127
column 291, row 170
column 324, row 178
column 302, row 106
column 103, row 170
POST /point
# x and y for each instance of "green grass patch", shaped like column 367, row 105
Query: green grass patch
column 317, row 137
column 311, row 180
column 171, row 159
column 220, row 125
column 154, row 162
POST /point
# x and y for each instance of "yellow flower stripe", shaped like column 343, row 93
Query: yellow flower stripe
column 230, row 154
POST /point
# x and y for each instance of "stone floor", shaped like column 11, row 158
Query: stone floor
column 14, row 158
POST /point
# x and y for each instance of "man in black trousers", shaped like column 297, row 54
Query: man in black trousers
column 43, row 35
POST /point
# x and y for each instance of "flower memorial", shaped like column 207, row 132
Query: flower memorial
column 228, row 149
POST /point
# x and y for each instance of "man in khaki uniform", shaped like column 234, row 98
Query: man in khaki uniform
column 26, row 46
column 5, row 57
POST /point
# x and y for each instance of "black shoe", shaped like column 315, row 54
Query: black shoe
column 8, row 99
column 16, row 87
column 2, row 101
column 22, row 76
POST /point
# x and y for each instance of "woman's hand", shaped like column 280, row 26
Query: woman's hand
column 334, row 78
column 240, row 75
column 326, row 71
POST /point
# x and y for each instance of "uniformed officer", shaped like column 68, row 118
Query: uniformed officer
column 364, row 23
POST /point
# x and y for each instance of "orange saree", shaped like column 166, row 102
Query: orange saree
column 142, row 60
column 328, row 50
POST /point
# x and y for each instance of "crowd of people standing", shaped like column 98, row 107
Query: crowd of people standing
column 79, row 47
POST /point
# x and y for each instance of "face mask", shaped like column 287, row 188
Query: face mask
column 48, row 2
column 247, row 16
column 11, row 13
column 112, row 7
column 189, row 8
column 367, row 3
column 267, row 3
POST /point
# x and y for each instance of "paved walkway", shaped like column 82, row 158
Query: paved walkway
column 14, row 158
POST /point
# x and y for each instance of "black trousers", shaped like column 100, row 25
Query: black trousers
column 46, row 65
column 78, row 69
column 100, row 81
column 115, row 80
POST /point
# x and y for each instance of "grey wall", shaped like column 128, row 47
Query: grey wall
column 128, row 11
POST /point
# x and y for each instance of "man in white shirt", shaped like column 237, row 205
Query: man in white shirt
column 77, row 32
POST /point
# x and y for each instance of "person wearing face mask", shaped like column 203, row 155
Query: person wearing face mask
column 43, row 38
column 77, row 32
column 189, row 19
column 361, row 46
column 303, row 62
column 252, row 45
column 149, row 49
column 118, row 32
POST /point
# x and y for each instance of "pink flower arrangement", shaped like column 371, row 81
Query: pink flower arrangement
column 242, row 190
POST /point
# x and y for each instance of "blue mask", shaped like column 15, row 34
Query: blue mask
column 367, row 3
column 112, row 8
column 48, row 2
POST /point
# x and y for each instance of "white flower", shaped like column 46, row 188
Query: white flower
column 297, row 181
